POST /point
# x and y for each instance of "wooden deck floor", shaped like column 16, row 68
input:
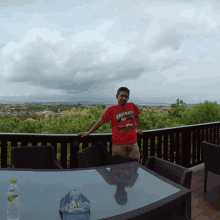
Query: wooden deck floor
column 205, row 206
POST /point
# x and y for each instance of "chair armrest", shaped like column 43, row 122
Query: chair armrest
column 187, row 179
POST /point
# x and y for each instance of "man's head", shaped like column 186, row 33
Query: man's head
column 122, row 96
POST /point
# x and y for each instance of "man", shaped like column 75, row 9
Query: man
column 123, row 117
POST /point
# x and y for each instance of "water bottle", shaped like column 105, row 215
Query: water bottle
column 13, row 201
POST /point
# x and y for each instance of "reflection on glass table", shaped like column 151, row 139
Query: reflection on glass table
column 122, row 175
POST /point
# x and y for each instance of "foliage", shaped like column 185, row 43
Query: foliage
column 202, row 113
column 172, row 105
column 179, row 115
column 34, row 117
column 177, row 110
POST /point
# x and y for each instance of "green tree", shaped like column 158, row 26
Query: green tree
column 177, row 110
column 34, row 117
column 202, row 113
column 56, row 110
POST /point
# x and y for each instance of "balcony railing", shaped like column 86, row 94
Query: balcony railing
column 185, row 143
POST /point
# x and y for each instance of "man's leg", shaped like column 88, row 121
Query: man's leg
column 135, row 152
column 121, row 149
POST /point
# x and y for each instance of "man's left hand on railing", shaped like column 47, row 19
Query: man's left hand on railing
column 139, row 132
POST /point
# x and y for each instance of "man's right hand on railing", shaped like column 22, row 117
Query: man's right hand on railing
column 83, row 134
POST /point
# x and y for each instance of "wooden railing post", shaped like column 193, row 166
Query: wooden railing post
column 74, row 148
column 185, row 148
column 3, row 153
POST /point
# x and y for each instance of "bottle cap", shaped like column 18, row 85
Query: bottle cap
column 13, row 180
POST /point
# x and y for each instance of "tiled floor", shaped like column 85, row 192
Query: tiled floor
column 205, row 206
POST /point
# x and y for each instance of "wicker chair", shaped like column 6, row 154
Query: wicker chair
column 171, row 171
column 98, row 155
column 34, row 157
column 175, row 173
column 211, row 154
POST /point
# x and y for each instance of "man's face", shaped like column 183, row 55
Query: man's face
column 122, row 98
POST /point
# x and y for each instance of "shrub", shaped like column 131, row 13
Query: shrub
column 177, row 110
column 205, row 113
column 34, row 117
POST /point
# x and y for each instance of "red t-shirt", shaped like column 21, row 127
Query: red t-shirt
column 123, row 123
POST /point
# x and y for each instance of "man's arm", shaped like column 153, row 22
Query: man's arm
column 97, row 125
column 137, row 122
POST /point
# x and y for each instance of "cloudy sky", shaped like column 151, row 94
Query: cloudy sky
column 84, row 50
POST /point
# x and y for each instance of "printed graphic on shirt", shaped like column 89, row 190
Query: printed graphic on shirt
column 125, row 121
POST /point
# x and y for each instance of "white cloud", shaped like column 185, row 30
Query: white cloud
column 160, row 50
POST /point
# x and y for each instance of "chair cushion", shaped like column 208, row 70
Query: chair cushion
column 174, row 172
column 211, row 153
column 52, row 154
column 98, row 155
column 107, row 159
column 89, row 157
column 35, row 157
column 168, row 170
column 104, row 154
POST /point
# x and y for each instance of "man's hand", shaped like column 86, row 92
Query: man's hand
column 83, row 134
column 139, row 132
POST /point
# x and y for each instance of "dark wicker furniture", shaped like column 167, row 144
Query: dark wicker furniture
column 171, row 171
column 211, row 155
column 175, row 173
column 34, row 157
column 97, row 155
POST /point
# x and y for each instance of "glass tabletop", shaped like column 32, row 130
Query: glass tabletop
column 41, row 192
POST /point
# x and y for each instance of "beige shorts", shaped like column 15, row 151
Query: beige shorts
column 120, row 149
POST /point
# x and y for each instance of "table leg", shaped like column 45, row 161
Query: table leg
column 187, row 208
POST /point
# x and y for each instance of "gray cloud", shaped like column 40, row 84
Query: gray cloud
column 13, row 3
column 154, row 63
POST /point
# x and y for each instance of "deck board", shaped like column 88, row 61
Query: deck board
column 205, row 205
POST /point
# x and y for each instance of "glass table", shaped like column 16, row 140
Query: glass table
column 42, row 190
